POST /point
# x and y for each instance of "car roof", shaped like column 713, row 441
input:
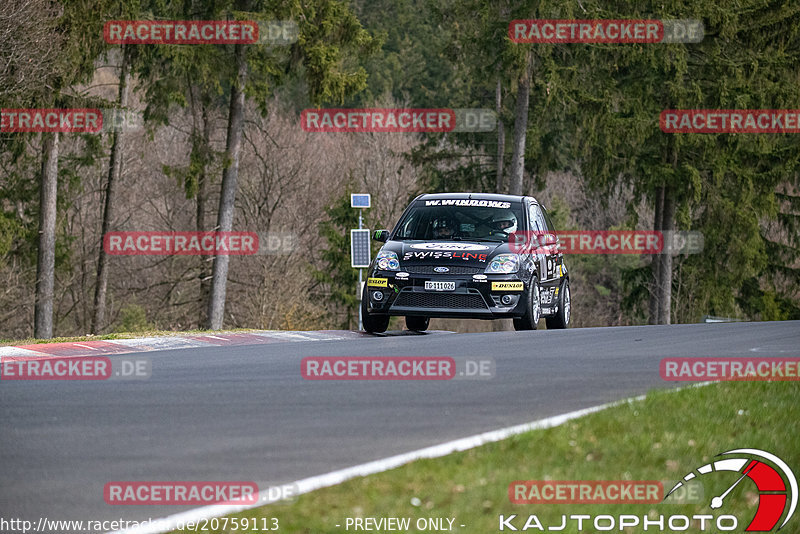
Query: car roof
column 475, row 196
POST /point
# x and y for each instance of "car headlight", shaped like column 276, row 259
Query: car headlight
column 387, row 261
column 503, row 264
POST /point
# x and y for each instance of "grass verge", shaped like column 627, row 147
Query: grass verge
column 662, row 437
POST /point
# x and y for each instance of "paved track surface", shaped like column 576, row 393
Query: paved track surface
column 245, row 413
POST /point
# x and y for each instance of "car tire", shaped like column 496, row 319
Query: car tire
column 533, row 309
column 561, row 319
column 417, row 323
column 373, row 324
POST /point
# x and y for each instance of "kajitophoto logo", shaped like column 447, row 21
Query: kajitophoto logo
column 775, row 482
column 771, row 483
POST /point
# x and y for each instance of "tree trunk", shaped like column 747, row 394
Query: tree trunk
column 202, row 195
column 230, row 174
column 501, row 136
column 46, row 262
column 499, row 326
column 665, row 270
column 114, row 174
column 655, row 263
column 520, row 129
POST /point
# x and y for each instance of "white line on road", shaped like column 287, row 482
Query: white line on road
column 307, row 485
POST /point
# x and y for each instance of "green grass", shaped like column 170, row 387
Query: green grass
column 660, row 438
column 118, row 335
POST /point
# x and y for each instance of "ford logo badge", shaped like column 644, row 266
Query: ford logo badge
column 441, row 270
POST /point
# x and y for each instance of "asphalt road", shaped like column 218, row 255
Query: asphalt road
column 245, row 412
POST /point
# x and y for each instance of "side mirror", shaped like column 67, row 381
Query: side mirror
column 381, row 235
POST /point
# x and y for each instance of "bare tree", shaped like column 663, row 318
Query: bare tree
column 227, row 200
column 45, row 266
column 114, row 174
column 29, row 47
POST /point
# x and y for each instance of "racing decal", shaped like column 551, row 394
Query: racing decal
column 378, row 282
column 507, row 286
column 464, row 202
column 439, row 254
column 546, row 296
column 448, row 246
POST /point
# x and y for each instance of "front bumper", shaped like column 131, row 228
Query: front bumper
column 475, row 295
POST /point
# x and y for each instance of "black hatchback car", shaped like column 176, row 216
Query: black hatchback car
column 458, row 255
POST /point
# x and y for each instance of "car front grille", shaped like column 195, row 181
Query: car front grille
column 465, row 301
column 454, row 269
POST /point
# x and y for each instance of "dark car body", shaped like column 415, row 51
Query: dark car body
column 441, row 277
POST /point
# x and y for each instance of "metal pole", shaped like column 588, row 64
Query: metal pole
column 361, row 294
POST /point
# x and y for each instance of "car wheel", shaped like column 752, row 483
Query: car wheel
column 373, row 324
column 416, row 323
column 533, row 311
column 561, row 319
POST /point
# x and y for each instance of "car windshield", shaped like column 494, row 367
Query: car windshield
column 477, row 220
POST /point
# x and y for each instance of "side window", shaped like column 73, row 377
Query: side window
column 407, row 230
column 544, row 228
column 535, row 219
column 541, row 226
column 550, row 227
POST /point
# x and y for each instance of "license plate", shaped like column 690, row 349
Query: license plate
column 440, row 286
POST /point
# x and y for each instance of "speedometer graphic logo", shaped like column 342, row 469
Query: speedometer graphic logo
column 773, row 493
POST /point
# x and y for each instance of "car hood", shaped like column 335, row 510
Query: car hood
column 467, row 253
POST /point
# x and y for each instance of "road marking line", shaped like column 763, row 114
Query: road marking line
column 306, row 485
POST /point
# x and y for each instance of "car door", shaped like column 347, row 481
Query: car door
column 557, row 254
column 538, row 229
